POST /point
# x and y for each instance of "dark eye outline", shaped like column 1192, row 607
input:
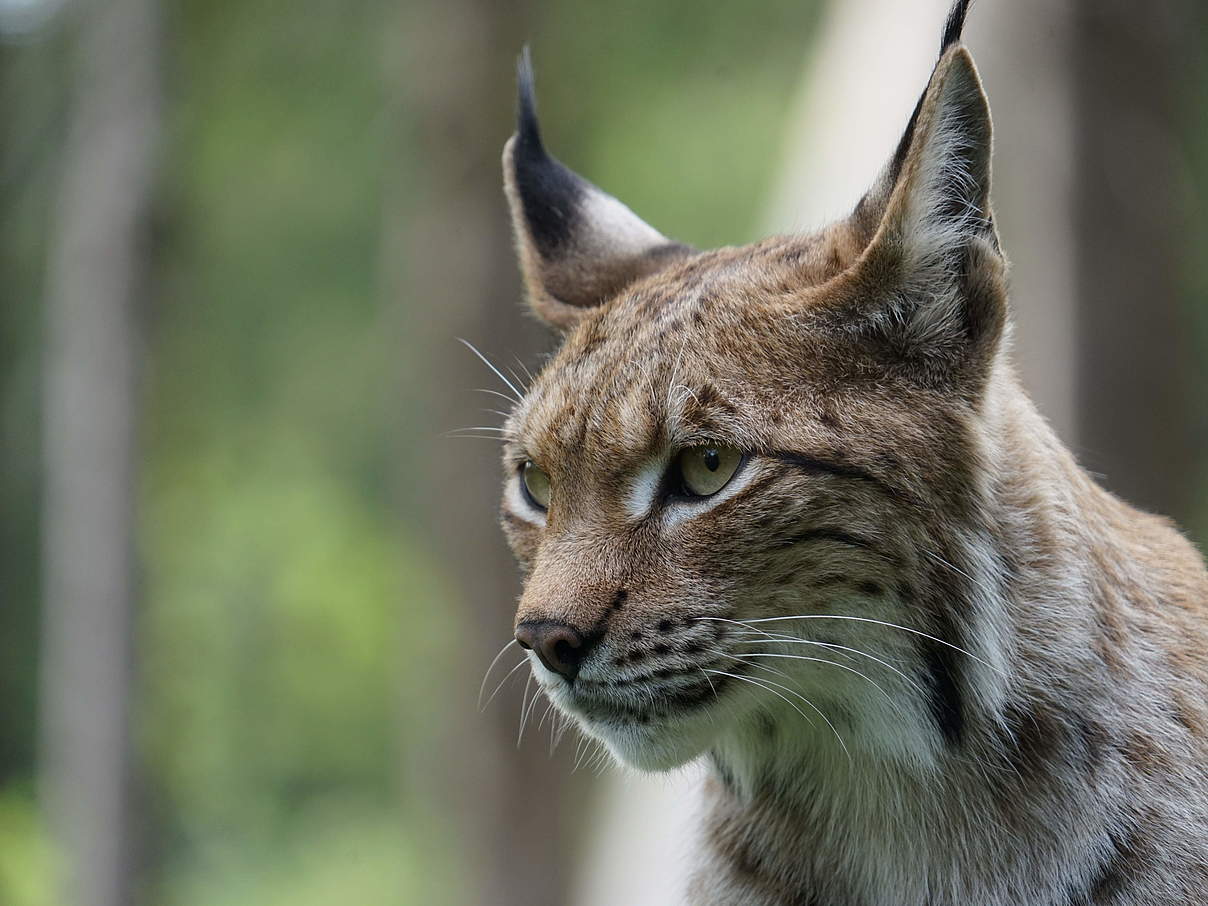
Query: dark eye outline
column 524, row 488
column 675, row 489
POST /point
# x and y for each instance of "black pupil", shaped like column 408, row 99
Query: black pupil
column 712, row 460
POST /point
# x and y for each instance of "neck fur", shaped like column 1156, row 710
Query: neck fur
column 1036, row 695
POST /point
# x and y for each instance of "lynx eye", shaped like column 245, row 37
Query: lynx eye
column 705, row 470
column 536, row 485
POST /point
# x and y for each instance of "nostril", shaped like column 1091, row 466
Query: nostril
column 565, row 653
column 558, row 646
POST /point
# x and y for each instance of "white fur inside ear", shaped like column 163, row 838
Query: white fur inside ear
column 946, row 204
column 611, row 228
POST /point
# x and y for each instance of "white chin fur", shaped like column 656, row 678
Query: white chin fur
column 660, row 747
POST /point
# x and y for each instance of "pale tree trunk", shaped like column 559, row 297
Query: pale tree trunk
column 872, row 61
column 450, row 268
column 96, row 283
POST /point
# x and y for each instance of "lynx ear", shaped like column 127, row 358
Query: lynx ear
column 578, row 246
column 932, row 263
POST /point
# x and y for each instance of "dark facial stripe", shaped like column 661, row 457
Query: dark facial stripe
column 842, row 470
column 944, row 681
column 824, row 533
column 1113, row 877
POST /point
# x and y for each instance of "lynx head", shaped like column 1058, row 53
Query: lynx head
column 743, row 492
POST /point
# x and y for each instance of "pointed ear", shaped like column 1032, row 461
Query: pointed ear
column 938, row 183
column 932, row 270
column 578, row 246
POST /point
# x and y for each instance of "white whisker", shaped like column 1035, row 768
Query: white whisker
column 523, row 660
column 831, row 616
column 502, row 396
column 820, row 660
column 498, row 373
column 797, row 640
column 814, row 707
column 525, row 368
column 954, row 568
column 487, row 675
column 524, row 701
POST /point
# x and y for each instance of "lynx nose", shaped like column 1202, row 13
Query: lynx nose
column 560, row 647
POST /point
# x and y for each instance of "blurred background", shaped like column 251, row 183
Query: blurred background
column 249, row 585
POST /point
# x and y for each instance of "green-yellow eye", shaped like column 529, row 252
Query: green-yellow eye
column 536, row 485
column 705, row 470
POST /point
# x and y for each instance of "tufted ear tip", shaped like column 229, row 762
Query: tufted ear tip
column 931, row 275
column 955, row 24
column 578, row 246
column 527, row 128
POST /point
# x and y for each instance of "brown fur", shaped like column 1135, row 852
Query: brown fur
column 1031, row 729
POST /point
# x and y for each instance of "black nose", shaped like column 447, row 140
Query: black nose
column 560, row 647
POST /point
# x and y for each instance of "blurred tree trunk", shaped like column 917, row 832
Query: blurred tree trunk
column 1137, row 409
column 451, row 267
column 97, row 277
column 30, row 108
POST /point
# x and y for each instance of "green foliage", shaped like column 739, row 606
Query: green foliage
column 701, row 91
column 277, row 572
column 289, row 610
column 26, row 858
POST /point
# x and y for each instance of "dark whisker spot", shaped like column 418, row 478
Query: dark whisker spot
column 637, row 655
column 662, row 649
column 870, row 588
column 619, row 601
column 636, row 634
column 665, row 625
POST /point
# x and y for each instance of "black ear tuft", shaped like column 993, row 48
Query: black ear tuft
column 527, row 130
column 955, row 24
column 953, row 27
column 578, row 245
column 550, row 192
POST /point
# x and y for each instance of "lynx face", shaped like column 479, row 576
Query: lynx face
column 787, row 505
column 741, row 488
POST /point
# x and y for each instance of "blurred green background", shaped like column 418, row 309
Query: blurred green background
column 319, row 583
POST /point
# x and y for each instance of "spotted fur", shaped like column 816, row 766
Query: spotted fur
column 925, row 657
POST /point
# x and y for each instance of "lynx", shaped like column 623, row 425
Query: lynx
column 785, row 509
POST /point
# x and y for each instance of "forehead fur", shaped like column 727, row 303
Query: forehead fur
column 718, row 347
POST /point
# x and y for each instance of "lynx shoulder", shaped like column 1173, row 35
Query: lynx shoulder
column 785, row 508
